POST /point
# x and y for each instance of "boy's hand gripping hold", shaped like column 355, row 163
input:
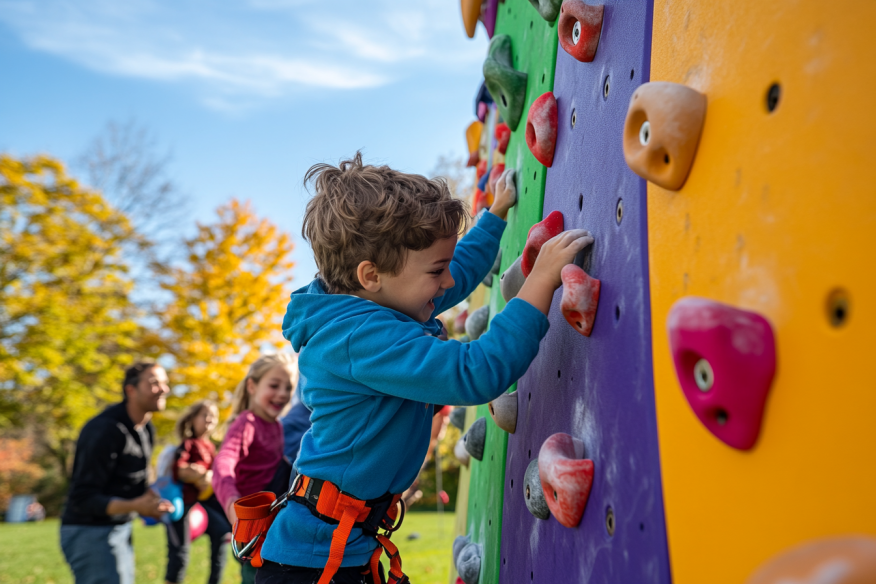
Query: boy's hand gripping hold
column 544, row 279
column 506, row 194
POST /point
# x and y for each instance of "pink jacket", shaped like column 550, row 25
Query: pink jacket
column 248, row 458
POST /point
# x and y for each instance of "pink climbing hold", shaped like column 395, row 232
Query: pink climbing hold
column 580, row 298
column 566, row 477
column 502, row 135
column 541, row 128
column 725, row 360
column 539, row 234
column 579, row 29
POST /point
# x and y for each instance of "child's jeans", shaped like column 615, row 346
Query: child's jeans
column 219, row 532
column 272, row 573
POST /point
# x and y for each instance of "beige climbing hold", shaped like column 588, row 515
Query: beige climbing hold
column 504, row 411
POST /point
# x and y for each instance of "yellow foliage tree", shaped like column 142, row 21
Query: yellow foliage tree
column 227, row 306
column 67, row 325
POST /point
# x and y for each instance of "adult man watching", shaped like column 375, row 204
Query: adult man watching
column 110, row 481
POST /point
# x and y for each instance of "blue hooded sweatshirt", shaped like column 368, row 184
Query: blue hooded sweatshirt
column 370, row 376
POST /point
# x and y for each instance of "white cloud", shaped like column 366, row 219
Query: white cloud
column 252, row 49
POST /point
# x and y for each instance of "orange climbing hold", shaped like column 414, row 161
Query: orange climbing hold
column 502, row 135
column 471, row 13
column 662, row 131
column 473, row 141
column 849, row 559
column 541, row 128
column 566, row 477
column 580, row 298
column 539, row 234
column 579, row 29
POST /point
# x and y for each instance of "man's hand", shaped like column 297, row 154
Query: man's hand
column 559, row 251
column 150, row 504
column 505, row 195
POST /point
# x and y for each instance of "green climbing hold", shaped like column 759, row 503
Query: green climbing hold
column 505, row 84
column 548, row 9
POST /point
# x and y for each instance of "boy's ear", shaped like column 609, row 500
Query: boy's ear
column 368, row 276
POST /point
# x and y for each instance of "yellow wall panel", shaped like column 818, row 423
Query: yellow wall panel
column 779, row 210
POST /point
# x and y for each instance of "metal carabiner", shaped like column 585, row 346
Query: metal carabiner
column 241, row 553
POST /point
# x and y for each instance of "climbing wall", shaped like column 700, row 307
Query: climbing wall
column 597, row 389
column 534, row 46
column 777, row 218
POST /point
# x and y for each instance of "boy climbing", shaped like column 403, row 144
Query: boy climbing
column 372, row 365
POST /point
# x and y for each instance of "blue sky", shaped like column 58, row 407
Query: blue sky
column 246, row 94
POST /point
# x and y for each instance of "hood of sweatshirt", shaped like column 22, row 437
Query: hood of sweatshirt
column 311, row 309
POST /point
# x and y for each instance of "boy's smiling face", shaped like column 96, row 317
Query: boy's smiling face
column 425, row 276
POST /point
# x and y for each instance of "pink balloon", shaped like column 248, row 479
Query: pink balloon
column 197, row 521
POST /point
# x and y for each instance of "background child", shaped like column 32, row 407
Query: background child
column 192, row 467
column 251, row 457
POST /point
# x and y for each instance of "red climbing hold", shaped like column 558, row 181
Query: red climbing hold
column 480, row 202
column 502, row 135
column 580, row 298
column 725, row 360
column 579, row 29
column 459, row 321
column 566, row 477
column 495, row 173
column 481, row 169
column 539, row 234
column 541, row 128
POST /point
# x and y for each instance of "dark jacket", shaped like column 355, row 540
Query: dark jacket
column 112, row 461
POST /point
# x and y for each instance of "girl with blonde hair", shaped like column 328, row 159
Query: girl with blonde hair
column 251, row 457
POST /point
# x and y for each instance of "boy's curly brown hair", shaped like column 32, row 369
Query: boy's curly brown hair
column 373, row 213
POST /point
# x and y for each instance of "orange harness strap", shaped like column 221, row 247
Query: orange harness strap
column 255, row 514
column 332, row 504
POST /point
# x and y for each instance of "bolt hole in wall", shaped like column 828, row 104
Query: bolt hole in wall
column 645, row 133
column 772, row 97
column 838, row 306
column 619, row 211
column 580, row 202
column 703, row 375
column 605, row 87
column 617, row 313
column 632, row 74
column 574, row 117
column 609, row 521
column 558, row 373
column 641, row 527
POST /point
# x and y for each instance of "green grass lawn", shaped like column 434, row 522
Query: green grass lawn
column 32, row 553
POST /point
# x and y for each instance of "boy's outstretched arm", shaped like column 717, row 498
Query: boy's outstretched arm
column 408, row 364
column 476, row 252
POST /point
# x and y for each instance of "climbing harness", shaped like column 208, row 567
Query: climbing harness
column 255, row 514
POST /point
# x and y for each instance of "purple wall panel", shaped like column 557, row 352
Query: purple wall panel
column 599, row 389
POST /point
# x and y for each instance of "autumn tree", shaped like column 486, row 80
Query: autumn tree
column 228, row 301
column 67, row 325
